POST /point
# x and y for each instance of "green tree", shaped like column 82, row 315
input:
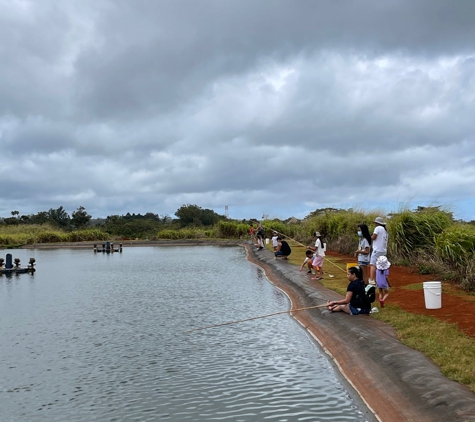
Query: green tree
column 40, row 218
column 189, row 215
column 80, row 218
column 59, row 217
column 193, row 215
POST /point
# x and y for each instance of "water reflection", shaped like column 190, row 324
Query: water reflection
column 98, row 338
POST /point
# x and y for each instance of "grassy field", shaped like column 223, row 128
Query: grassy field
column 451, row 350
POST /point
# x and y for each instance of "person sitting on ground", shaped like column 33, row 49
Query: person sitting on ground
column 354, row 302
column 274, row 240
column 382, row 278
column 283, row 249
column 308, row 261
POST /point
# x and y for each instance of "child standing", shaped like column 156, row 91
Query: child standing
column 319, row 250
column 382, row 278
column 364, row 250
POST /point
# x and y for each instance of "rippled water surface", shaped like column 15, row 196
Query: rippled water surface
column 99, row 338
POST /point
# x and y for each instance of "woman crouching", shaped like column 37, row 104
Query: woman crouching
column 354, row 302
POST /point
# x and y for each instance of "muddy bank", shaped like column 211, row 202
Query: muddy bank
column 396, row 382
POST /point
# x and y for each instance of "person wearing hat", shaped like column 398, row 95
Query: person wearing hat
column 382, row 278
column 380, row 246
column 319, row 251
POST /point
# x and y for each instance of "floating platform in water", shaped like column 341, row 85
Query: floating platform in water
column 108, row 247
column 14, row 267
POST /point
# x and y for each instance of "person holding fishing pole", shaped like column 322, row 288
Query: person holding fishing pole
column 353, row 303
column 260, row 237
column 319, row 251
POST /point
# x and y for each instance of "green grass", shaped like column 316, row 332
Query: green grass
column 16, row 236
column 451, row 350
column 443, row 343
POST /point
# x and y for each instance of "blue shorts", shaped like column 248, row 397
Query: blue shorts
column 357, row 311
column 363, row 263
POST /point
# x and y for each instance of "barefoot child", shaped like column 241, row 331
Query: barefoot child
column 382, row 278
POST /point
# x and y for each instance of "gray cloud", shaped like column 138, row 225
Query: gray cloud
column 271, row 108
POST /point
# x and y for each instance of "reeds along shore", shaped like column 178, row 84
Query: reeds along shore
column 428, row 238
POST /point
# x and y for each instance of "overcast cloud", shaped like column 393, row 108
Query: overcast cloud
column 269, row 107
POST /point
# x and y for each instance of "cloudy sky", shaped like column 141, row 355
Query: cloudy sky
column 269, row 107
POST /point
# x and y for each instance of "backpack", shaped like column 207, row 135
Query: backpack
column 369, row 295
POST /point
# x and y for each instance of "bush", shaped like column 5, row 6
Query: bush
column 231, row 230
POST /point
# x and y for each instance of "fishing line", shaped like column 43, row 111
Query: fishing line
column 256, row 317
column 301, row 244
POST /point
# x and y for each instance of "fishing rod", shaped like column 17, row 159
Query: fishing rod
column 301, row 244
column 256, row 317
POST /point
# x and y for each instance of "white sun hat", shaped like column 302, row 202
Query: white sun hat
column 382, row 263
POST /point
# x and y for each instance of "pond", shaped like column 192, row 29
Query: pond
column 100, row 337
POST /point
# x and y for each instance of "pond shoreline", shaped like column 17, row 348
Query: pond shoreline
column 393, row 380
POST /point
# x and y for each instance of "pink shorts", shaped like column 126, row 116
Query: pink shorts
column 318, row 261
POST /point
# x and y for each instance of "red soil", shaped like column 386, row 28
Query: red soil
column 457, row 306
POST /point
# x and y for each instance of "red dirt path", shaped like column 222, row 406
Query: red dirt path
column 457, row 306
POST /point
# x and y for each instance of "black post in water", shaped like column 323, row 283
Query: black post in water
column 9, row 264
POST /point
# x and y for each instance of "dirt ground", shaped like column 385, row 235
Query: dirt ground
column 458, row 307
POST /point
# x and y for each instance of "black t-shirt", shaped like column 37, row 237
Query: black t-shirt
column 285, row 248
column 357, row 288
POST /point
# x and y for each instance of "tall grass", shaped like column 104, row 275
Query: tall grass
column 338, row 228
column 414, row 232
column 189, row 233
column 456, row 248
column 31, row 234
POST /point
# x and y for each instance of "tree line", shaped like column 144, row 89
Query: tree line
column 133, row 225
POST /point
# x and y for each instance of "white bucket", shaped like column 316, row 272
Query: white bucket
column 433, row 294
column 267, row 240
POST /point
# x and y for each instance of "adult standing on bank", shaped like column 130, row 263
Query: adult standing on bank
column 251, row 232
column 380, row 246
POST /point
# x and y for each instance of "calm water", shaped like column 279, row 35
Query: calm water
column 99, row 338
